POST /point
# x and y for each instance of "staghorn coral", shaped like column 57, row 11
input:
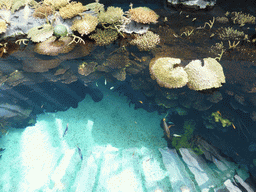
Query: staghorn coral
column 111, row 16
column 86, row 25
column 230, row 33
column 56, row 4
column 146, row 42
column 167, row 72
column 104, row 37
column 53, row 47
column 40, row 33
column 242, row 18
column 71, row 10
column 43, row 11
column 208, row 76
column 143, row 15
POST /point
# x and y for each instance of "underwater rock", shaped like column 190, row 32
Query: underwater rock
column 134, row 27
column 252, row 147
column 192, row 4
column 96, row 94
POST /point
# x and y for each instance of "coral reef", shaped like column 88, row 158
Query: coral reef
column 230, row 33
column 71, row 10
column 218, row 118
column 95, row 7
column 40, row 33
column 3, row 26
column 147, row 41
column 104, row 37
column 143, row 15
column 113, row 15
column 86, row 25
column 167, row 72
column 87, row 68
column 54, row 46
column 242, row 18
column 43, row 11
column 208, row 76
column 56, row 4
column 222, row 19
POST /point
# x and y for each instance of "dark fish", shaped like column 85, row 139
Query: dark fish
column 66, row 130
column 80, row 153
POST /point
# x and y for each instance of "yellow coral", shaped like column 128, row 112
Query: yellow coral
column 147, row 41
column 3, row 26
column 104, row 37
column 111, row 16
column 85, row 25
column 143, row 15
column 71, row 10
column 167, row 73
column 56, row 4
column 43, row 11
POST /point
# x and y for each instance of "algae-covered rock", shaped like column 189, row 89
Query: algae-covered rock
column 206, row 76
column 167, row 72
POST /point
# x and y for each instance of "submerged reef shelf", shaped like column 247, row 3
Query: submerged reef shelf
column 173, row 61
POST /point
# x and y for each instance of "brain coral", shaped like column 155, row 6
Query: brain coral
column 167, row 73
column 207, row 76
column 143, row 15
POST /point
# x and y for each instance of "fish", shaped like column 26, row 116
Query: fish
column 96, row 84
column 80, row 153
column 111, row 88
column 166, row 129
column 176, row 135
column 105, row 81
column 66, row 130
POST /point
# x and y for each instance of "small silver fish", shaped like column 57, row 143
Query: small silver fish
column 96, row 84
column 176, row 135
column 105, row 81
column 111, row 88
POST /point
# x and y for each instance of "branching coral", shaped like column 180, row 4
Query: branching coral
column 86, row 25
column 167, row 72
column 43, row 11
column 147, row 41
column 113, row 15
column 104, row 37
column 230, row 33
column 71, row 10
column 143, row 15
column 242, row 18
